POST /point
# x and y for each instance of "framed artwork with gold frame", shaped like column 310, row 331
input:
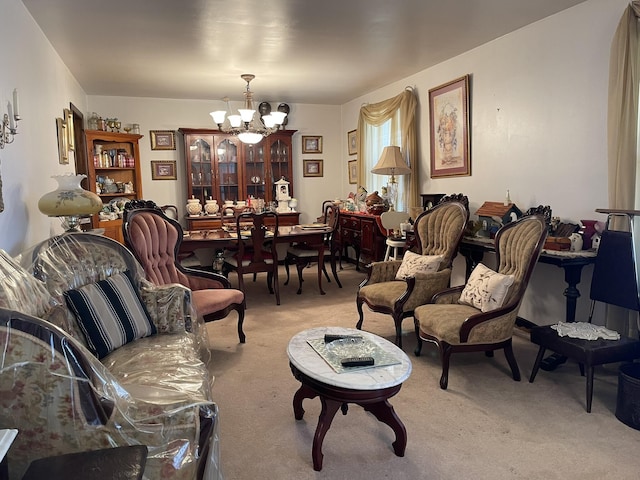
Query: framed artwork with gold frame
column 311, row 144
column 352, row 141
column 163, row 170
column 353, row 171
column 312, row 168
column 449, row 123
column 162, row 139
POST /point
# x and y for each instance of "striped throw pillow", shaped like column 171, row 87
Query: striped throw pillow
column 110, row 313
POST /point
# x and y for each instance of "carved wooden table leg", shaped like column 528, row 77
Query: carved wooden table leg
column 303, row 392
column 385, row 413
column 329, row 409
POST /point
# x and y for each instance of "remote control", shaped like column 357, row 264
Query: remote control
column 357, row 361
column 330, row 338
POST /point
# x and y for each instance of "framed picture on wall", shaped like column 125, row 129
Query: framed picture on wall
column 353, row 171
column 163, row 170
column 449, row 123
column 311, row 144
column 162, row 139
column 352, row 141
column 312, row 168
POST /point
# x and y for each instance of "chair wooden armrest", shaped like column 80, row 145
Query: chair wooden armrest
column 450, row 295
column 381, row 272
column 205, row 279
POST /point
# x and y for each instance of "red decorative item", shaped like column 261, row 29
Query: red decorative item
column 588, row 229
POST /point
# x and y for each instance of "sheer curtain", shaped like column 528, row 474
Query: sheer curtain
column 390, row 122
column 622, row 124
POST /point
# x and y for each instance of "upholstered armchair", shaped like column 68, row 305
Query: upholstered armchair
column 397, row 292
column 480, row 316
column 155, row 241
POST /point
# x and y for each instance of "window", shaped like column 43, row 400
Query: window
column 390, row 122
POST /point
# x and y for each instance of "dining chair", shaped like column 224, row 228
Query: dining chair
column 303, row 254
column 397, row 287
column 480, row 316
column 154, row 239
column 256, row 250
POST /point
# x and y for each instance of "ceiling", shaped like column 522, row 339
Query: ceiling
column 322, row 52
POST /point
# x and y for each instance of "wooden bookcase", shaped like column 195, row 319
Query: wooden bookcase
column 123, row 166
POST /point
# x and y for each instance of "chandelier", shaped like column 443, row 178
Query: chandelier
column 248, row 128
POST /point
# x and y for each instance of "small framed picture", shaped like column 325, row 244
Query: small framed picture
column 353, row 171
column 311, row 144
column 163, row 170
column 312, row 168
column 352, row 141
column 162, row 139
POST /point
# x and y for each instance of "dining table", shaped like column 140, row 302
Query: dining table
column 313, row 235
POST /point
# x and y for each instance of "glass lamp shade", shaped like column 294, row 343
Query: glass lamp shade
column 69, row 200
column 250, row 137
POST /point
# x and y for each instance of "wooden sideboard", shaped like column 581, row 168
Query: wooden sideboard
column 364, row 233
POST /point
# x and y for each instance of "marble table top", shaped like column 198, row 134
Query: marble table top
column 309, row 362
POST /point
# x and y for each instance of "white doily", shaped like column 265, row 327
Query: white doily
column 587, row 331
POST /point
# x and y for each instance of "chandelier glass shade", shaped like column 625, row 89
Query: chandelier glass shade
column 246, row 125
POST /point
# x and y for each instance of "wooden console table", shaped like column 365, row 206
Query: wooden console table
column 473, row 250
column 364, row 233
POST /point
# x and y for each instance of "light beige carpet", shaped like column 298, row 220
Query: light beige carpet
column 484, row 426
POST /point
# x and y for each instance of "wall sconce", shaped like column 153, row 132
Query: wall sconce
column 10, row 122
column 66, row 136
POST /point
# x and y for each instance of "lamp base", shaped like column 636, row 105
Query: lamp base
column 71, row 223
column 392, row 194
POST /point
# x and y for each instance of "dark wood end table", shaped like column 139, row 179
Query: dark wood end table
column 370, row 388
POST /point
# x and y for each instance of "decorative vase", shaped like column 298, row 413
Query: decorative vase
column 70, row 200
column 588, row 229
column 194, row 207
column 211, row 207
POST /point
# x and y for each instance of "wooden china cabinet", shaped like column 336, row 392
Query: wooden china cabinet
column 220, row 166
column 115, row 156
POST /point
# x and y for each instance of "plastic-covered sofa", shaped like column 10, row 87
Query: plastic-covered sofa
column 153, row 391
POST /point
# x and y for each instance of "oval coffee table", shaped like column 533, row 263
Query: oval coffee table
column 370, row 388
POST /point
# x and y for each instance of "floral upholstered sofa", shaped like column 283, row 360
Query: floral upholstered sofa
column 153, row 390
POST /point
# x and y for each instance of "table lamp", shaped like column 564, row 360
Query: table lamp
column 70, row 201
column 391, row 163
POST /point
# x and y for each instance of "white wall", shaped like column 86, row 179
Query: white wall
column 163, row 114
column 538, row 115
column 538, row 112
column 45, row 87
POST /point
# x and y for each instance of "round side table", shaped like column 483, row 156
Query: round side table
column 370, row 388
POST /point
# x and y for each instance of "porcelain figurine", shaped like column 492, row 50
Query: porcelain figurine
column 576, row 242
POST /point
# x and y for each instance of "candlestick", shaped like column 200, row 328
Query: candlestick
column 15, row 103
column 12, row 121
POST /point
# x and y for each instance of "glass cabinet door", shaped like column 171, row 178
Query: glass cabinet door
column 227, row 171
column 254, row 170
column 200, row 163
column 279, row 162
